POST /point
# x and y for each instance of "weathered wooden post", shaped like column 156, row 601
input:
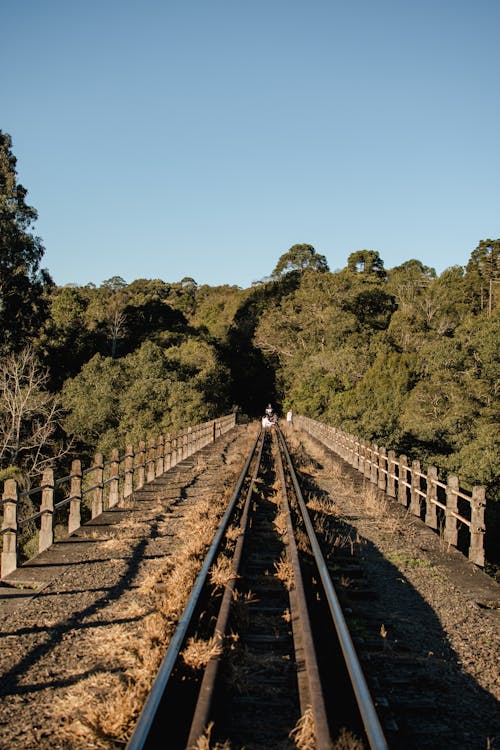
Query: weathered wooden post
column 451, row 528
column 355, row 458
column 415, row 487
column 168, row 452
column 46, row 536
column 361, row 465
column 382, row 469
column 160, row 454
column 128, row 481
column 391, row 476
column 75, row 497
column 141, row 465
column 98, row 497
column 374, row 464
column 114, row 481
column 431, row 498
column 9, row 527
column 150, row 471
column 403, row 480
column 478, row 504
column 368, row 460
column 173, row 452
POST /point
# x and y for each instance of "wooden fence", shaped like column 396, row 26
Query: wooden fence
column 105, row 484
column 441, row 505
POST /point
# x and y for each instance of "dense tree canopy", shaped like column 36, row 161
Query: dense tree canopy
column 300, row 258
column 22, row 283
column 400, row 355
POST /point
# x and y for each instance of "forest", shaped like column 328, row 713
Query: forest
column 401, row 356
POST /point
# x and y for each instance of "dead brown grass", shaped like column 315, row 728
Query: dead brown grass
column 284, row 572
column 100, row 711
column 198, row 653
column 222, row 572
column 304, row 734
column 347, row 741
column 203, row 742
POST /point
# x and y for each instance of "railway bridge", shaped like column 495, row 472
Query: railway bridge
column 239, row 587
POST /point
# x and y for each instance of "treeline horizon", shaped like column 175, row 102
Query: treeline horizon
column 404, row 357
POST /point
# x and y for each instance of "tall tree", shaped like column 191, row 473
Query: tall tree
column 300, row 258
column 483, row 269
column 22, row 304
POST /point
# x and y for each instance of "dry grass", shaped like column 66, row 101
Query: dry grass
column 322, row 504
column 377, row 506
column 233, row 533
column 240, row 612
column 284, row 572
column 347, row 741
column 304, row 734
column 222, row 572
column 203, row 742
column 280, row 524
column 100, row 711
column 198, row 653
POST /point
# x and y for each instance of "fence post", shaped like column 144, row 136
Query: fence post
column 391, row 477
column 97, row 500
column 114, row 480
column 46, row 536
column 478, row 504
column 160, row 452
column 382, row 469
column 374, row 466
column 403, row 480
column 167, row 462
column 150, row 471
column 75, row 502
column 415, row 486
column 431, row 497
column 128, row 482
column 361, row 457
column 9, row 549
column 355, row 456
column 368, row 460
column 141, row 465
column 451, row 528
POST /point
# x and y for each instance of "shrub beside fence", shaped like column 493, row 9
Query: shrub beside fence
column 441, row 505
column 103, row 485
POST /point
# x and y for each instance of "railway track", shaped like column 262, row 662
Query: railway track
column 263, row 618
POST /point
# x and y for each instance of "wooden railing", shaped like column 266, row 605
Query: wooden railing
column 103, row 485
column 441, row 505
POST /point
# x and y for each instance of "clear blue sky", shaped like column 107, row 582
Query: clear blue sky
column 203, row 138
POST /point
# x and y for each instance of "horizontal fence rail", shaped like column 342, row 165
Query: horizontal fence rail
column 64, row 501
column 443, row 506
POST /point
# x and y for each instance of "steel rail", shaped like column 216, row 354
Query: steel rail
column 373, row 729
column 315, row 692
column 144, row 724
column 204, row 703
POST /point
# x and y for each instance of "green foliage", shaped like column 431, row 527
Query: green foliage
column 299, row 258
column 402, row 356
column 22, row 283
column 367, row 263
column 153, row 390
